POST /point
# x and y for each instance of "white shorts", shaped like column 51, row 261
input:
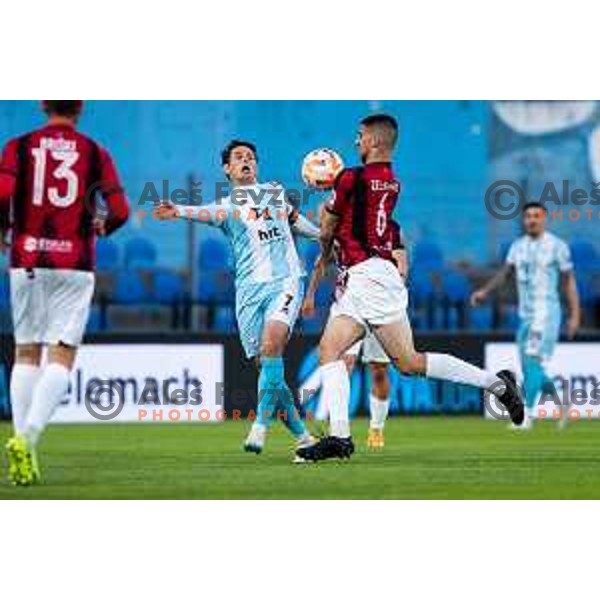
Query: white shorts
column 372, row 350
column 375, row 294
column 50, row 305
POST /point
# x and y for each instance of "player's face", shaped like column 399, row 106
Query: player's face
column 241, row 168
column 364, row 142
column 534, row 221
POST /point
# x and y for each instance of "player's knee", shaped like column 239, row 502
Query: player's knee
column 328, row 352
column 28, row 353
column 411, row 364
column 272, row 347
column 62, row 354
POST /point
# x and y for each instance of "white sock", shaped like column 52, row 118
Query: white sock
column 311, row 386
column 22, row 383
column 379, row 412
column 49, row 392
column 336, row 395
column 450, row 368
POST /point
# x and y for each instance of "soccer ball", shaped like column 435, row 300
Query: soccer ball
column 321, row 167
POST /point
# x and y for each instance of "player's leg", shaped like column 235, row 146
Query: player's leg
column 379, row 398
column 536, row 346
column 24, row 376
column 68, row 295
column 28, row 319
column 281, row 316
column 341, row 333
column 275, row 338
column 50, row 390
column 250, row 315
column 27, row 313
column 379, row 401
column 275, row 397
column 314, row 382
column 397, row 340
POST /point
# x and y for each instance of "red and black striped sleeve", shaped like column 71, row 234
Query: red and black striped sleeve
column 342, row 193
column 113, row 193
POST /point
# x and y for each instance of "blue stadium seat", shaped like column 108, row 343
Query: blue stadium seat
column 510, row 317
column 94, row 323
column 4, row 291
column 129, row 289
column 428, row 256
column 585, row 287
column 481, row 318
column 583, row 253
column 214, row 254
column 168, row 287
column 420, row 286
column 216, row 287
column 455, row 286
column 225, row 320
column 206, row 292
column 140, row 253
column 503, row 250
column 108, row 255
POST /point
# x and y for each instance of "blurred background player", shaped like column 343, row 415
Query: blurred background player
column 543, row 266
column 371, row 352
column 269, row 281
column 359, row 218
column 46, row 177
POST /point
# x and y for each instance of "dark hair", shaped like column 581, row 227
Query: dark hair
column 534, row 204
column 226, row 153
column 63, row 108
column 380, row 119
column 387, row 123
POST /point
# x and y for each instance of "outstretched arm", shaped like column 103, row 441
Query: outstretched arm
column 329, row 223
column 302, row 226
column 569, row 286
column 480, row 295
column 308, row 306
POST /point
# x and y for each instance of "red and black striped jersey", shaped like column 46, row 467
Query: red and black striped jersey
column 364, row 199
column 51, row 178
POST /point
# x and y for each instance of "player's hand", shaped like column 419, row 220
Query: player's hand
column 99, row 227
column 166, row 211
column 478, row 297
column 308, row 307
column 399, row 256
column 572, row 327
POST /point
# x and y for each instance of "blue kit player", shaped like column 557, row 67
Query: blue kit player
column 542, row 265
column 269, row 276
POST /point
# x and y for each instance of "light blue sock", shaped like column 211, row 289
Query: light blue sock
column 534, row 377
column 268, row 393
column 292, row 420
column 282, row 398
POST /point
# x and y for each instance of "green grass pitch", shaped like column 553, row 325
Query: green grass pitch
column 453, row 457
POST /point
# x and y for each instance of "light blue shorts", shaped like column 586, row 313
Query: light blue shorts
column 538, row 343
column 278, row 300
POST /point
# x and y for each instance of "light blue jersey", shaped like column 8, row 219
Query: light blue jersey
column 538, row 263
column 255, row 219
column 268, row 272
